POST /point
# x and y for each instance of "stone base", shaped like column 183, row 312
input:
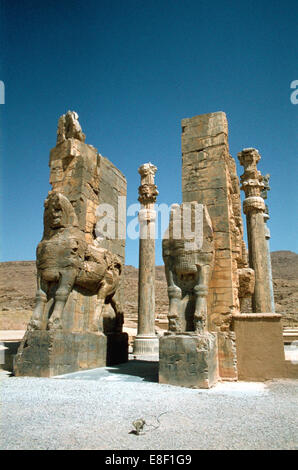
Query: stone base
column 145, row 345
column 11, row 349
column 117, row 348
column 188, row 360
column 260, row 348
column 50, row 353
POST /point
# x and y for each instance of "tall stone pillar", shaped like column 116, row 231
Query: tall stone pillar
column 209, row 177
column 254, row 209
column 146, row 341
column 268, row 236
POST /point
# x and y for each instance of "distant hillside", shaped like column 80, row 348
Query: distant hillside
column 284, row 265
column 18, row 284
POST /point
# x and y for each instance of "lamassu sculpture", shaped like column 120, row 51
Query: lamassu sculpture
column 64, row 260
column 77, row 321
column 188, row 351
column 188, row 266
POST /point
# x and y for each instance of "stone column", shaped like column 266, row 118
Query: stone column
column 268, row 236
column 254, row 209
column 146, row 341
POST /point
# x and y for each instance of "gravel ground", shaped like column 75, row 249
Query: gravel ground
column 95, row 409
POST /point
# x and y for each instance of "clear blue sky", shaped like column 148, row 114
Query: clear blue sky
column 132, row 70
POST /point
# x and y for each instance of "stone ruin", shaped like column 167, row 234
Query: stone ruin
column 210, row 337
column 213, row 280
column 78, row 317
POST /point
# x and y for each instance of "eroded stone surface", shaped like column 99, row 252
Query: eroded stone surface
column 188, row 360
column 188, row 253
column 78, row 270
column 254, row 208
column 188, row 353
column 209, row 177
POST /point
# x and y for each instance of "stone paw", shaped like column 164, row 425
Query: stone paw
column 199, row 325
column 94, row 327
column 34, row 325
column 174, row 326
column 55, row 324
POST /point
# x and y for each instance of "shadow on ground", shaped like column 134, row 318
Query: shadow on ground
column 147, row 370
column 135, row 370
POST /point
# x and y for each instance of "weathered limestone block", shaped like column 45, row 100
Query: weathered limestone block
column 209, row 177
column 78, row 278
column 246, row 285
column 260, row 348
column 69, row 127
column 227, row 355
column 188, row 360
column 49, row 353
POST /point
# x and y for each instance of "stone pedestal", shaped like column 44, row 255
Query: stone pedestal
column 260, row 348
column 188, row 360
column 146, row 345
column 50, row 353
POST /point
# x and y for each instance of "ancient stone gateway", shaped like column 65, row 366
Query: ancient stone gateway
column 209, row 287
column 78, row 317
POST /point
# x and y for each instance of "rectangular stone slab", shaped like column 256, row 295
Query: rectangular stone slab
column 47, row 353
column 188, row 360
column 259, row 344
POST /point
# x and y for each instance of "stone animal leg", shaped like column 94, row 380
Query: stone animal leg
column 174, row 292
column 66, row 283
column 119, row 314
column 38, row 321
column 201, row 291
column 175, row 295
column 97, row 321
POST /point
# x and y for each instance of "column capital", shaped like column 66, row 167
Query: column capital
column 252, row 180
column 147, row 170
column 148, row 190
